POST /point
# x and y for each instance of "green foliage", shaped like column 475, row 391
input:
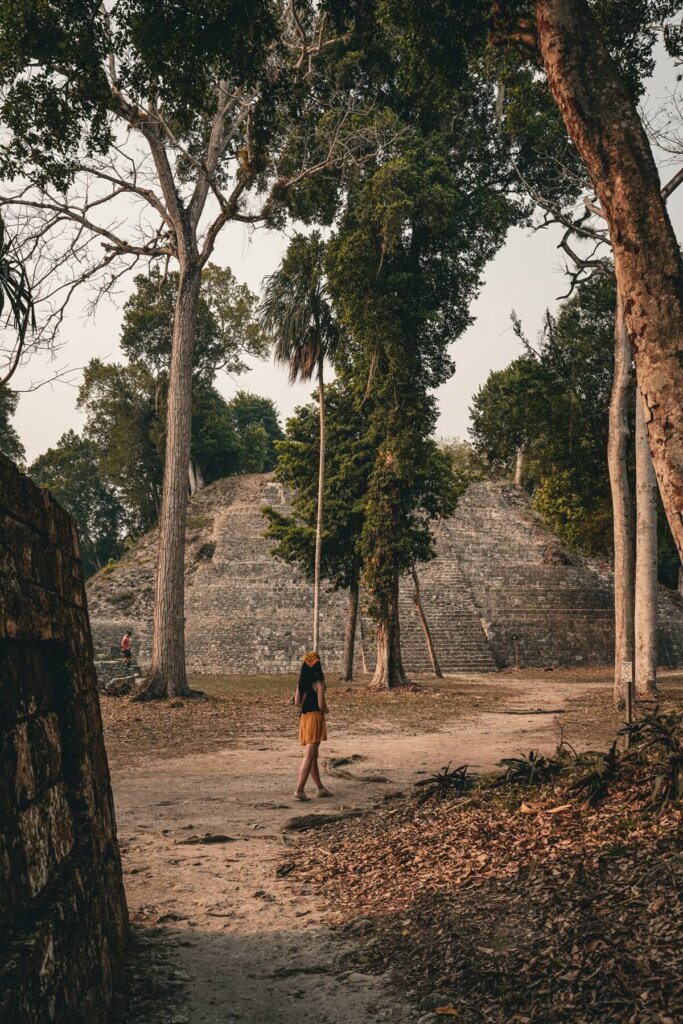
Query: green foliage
column 125, row 406
column 124, row 425
column 466, row 465
column 445, row 783
column 70, row 471
column 175, row 53
column 296, row 311
column 258, row 429
column 226, row 326
column 554, row 403
column 597, row 771
column 402, row 270
column 10, row 443
column 530, row 769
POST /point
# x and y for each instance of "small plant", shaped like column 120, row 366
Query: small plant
column 659, row 735
column 656, row 730
column 602, row 769
column 530, row 769
column 445, row 783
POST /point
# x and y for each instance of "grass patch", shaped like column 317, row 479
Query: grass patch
column 105, row 570
column 198, row 522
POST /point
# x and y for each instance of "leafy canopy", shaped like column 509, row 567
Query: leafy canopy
column 70, row 471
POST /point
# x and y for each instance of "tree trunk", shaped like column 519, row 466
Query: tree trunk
column 680, row 580
column 519, row 465
column 389, row 671
column 425, row 626
column 608, row 133
column 621, row 506
column 350, row 632
column 646, row 561
column 167, row 673
column 196, row 477
column 319, row 517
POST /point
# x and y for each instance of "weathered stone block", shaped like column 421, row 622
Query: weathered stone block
column 46, row 748
column 34, row 831
column 24, row 781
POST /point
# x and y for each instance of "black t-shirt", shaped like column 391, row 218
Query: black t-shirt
column 309, row 675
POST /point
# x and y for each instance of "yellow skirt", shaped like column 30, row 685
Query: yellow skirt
column 312, row 728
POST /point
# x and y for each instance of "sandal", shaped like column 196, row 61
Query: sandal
column 324, row 791
column 300, row 795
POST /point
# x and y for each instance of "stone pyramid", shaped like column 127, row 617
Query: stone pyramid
column 502, row 591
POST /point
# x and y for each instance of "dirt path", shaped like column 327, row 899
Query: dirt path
column 241, row 943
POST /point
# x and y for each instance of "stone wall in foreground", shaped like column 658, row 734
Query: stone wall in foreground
column 62, row 905
column 501, row 591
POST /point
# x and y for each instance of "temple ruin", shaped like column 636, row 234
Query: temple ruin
column 502, row 591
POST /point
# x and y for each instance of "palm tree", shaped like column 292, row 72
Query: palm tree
column 15, row 292
column 296, row 311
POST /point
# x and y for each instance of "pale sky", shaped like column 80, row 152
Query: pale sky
column 526, row 276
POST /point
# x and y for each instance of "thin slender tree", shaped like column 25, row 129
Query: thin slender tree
column 296, row 311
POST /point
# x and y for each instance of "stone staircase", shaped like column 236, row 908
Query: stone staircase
column 540, row 604
column 248, row 612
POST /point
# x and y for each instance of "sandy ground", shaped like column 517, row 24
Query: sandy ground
column 233, row 941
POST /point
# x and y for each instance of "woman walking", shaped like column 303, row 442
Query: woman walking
column 310, row 697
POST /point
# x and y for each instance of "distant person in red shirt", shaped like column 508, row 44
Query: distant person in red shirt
column 125, row 647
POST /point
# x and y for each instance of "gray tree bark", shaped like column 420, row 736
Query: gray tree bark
column 417, row 598
column 608, row 133
column 624, row 561
column 167, row 674
column 519, row 464
column 646, row 561
column 319, row 517
column 389, row 673
column 350, row 631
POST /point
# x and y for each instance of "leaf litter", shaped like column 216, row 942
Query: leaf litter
column 554, row 902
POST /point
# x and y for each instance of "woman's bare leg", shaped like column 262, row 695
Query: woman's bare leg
column 306, row 769
column 315, row 771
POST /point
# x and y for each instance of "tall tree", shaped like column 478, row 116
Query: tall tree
column 622, row 506
column 187, row 118
column 403, row 268
column 296, row 310
column 645, row 611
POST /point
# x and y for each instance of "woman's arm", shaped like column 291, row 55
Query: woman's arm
column 297, row 697
column 320, row 693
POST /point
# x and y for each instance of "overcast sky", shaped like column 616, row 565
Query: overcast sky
column 526, row 275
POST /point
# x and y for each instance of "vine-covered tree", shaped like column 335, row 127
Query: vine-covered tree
column 403, row 268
